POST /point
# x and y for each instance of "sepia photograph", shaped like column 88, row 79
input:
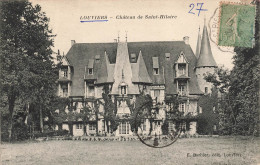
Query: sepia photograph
column 133, row 82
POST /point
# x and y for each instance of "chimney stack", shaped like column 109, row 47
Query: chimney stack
column 186, row 40
column 73, row 42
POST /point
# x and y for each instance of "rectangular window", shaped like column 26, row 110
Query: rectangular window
column 155, row 66
column 200, row 109
column 79, row 126
column 182, row 69
column 155, row 71
column 206, row 90
column 156, row 93
column 181, row 89
column 65, row 73
column 91, row 91
column 124, row 128
column 182, row 107
column 92, row 126
column 97, row 57
column 123, row 90
column 90, row 71
column 103, row 125
column 133, row 58
column 167, row 56
column 65, row 92
column 171, row 128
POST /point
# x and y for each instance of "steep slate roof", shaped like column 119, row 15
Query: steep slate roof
column 79, row 54
column 139, row 70
column 123, row 66
column 106, row 71
column 205, row 57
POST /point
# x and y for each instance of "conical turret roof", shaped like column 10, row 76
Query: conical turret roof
column 206, row 58
column 198, row 45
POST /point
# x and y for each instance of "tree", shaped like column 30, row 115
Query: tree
column 110, row 113
column 27, row 71
column 141, row 109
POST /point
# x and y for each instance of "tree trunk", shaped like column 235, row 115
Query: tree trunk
column 11, row 102
column 107, row 124
column 41, row 121
column 27, row 113
column 151, row 126
column 70, row 124
column 97, row 126
column 60, row 126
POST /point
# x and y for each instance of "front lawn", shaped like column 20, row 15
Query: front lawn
column 216, row 151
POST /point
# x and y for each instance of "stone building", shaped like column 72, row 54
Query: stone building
column 161, row 69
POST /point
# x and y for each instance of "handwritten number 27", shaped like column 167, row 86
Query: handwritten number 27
column 199, row 9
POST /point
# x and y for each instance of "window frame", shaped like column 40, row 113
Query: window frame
column 206, row 90
column 156, row 71
column 90, row 71
column 79, row 126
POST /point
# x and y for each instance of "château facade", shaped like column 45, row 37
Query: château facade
column 127, row 69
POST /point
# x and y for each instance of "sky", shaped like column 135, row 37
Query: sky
column 65, row 22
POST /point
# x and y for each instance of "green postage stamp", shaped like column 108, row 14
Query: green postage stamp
column 236, row 25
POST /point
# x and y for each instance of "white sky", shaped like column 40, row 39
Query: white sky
column 65, row 21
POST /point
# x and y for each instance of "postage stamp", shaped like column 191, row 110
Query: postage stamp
column 236, row 25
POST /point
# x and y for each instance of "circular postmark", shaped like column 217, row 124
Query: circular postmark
column 156, row 137
column 214, row 29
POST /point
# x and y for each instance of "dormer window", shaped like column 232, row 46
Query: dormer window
column 64, row 89
column 90, row 66
column 155, row 66
column 167, row 56
column 200, row 109
column 182, row 88
column 181, row 66
column 182, row 69
column 182, row 58
column 90, row 71
column 155, row 71
column 133, row 58
column 123, row 90
column 64, row 72
column 97, row 57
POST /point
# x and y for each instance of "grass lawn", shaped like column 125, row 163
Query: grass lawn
column 215, row 151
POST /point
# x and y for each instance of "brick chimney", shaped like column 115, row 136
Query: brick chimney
column 73, row 42
column 186, row 40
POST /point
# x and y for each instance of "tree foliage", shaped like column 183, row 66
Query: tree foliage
column 27, row 71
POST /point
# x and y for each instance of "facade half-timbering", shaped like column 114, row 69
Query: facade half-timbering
column 127, row 69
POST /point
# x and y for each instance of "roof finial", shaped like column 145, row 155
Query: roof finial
column 126, row 36
column 123, row 74
column 204, row 20
column 118, row 36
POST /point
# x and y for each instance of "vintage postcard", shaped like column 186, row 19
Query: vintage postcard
column 129, row 82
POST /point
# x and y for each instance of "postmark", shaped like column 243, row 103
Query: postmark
column 236, row 25
column 213, row 32
column 155, row 137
